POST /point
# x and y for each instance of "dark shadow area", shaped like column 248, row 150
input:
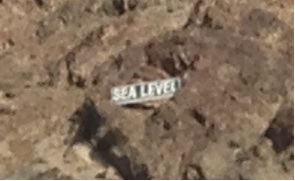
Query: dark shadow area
column 39, row 3
column 199, row 117
column 280, row 131
column 126, row 167
column 88, row 122
column 139, row 106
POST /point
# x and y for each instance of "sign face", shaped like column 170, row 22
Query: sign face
column 145, row 91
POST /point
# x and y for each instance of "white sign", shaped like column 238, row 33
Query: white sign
column 145, row 91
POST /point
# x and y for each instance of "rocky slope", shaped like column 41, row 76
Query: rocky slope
column 232, row 118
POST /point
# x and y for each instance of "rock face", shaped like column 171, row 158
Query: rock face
column 232, row 118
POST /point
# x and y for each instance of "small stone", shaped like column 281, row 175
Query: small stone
column 132, row 4
column 114, row 7
column 193, row 173
column 101, row 175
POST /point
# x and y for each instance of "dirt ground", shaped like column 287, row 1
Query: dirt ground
column 232, row 118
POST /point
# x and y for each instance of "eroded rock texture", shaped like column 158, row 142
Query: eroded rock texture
column 232, row 118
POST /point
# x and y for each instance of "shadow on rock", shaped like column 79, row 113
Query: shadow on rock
column 87, row 125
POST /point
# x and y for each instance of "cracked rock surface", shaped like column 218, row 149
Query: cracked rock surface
column 232, row 118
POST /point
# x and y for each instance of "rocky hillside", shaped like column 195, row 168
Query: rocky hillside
column 231, row 119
